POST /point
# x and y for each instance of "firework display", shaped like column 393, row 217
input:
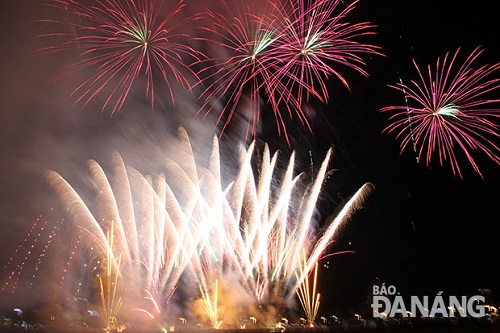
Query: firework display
column 261, row 55
column 276, row 55
column 315, row 40
column 122, row 45
column 450, row 111
column 251, row 237
column 223, row 232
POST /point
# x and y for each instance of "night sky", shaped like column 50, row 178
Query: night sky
column 423, row 229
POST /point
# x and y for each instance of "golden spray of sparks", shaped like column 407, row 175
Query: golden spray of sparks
column 211, row 306
column 309, row 299
column 110, row 304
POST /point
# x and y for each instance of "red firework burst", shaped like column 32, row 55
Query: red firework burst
column 449, row 113
column 121, row 42
column 315, row 40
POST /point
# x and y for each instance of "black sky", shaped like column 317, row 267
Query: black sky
column 424, row 230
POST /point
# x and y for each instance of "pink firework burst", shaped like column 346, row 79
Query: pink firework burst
column 278, row 54
column 316, row 40
column 449, row 112
column 122, row 42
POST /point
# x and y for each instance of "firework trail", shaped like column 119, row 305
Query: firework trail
column 309, row 298
column 28, row 255
column 123, row 44
column 110, row 300
column 211, row 305
column 450, row 113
